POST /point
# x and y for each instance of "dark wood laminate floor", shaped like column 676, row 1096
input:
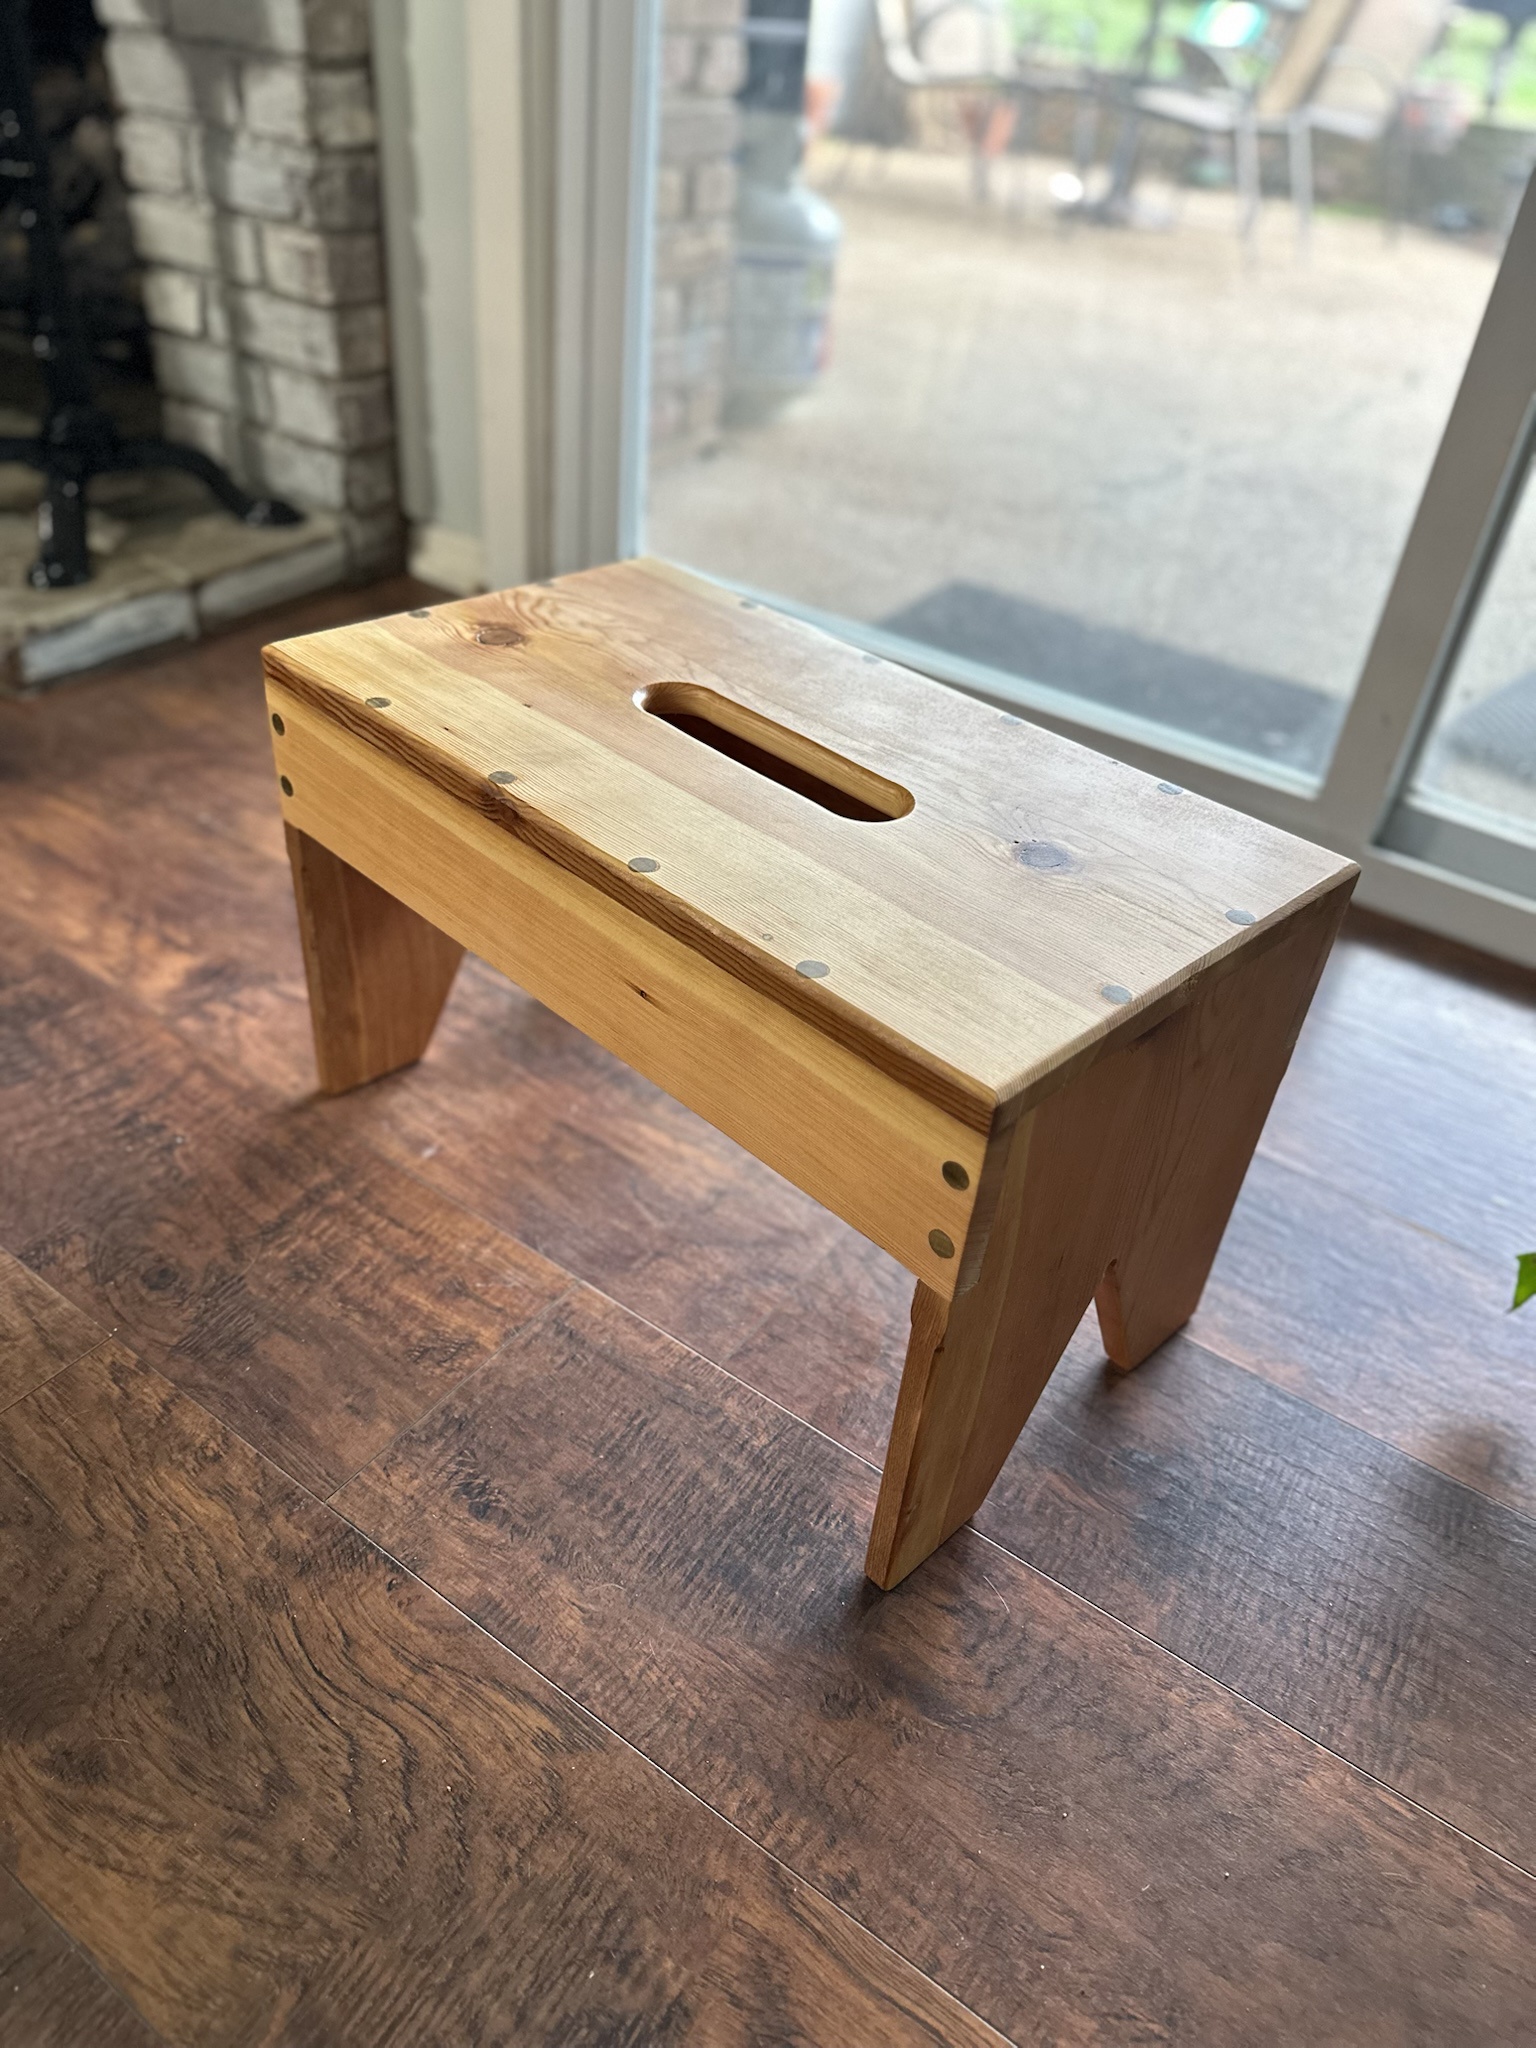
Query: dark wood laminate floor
column 431, row 1522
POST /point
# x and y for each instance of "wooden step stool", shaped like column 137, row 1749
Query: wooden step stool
column 1013, row 1010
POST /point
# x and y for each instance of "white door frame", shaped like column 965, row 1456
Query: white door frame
column 589, row 138
column 561, row 107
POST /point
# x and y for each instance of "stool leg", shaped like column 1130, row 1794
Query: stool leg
column 378, row 974
column 1117, row 1187
column 1205, row 1092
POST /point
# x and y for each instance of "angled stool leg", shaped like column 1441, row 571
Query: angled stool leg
column 378, row 974
column 1217, row 1065
column 1117, row 1187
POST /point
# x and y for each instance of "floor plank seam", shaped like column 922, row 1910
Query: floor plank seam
column 761, row 1848
column 1186, row 1663
column 1024, row 1564
column 1015, row 1557
column 1211, row 1677
column 1508, row 1507
column 1303, row 1172
column 757, row 1393
column 451, row 1393
column 847, row 1451
column 1276, row 1720
column 526, row 1664
column 80, row 1949
column 68, row 1366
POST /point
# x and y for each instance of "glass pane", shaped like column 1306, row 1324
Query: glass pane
column 957, row 332
column 1478, row 764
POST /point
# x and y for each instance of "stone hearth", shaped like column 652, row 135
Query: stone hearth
column 169, row 566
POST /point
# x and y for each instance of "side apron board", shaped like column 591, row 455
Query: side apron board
column 1116, row 1189
column 385, row 858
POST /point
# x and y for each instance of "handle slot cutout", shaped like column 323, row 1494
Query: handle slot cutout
column 780, row 755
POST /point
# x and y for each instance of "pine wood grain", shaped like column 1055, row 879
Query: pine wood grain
column 1210, row 1076
column 50, row 1996
column 1076, row 1834
column 936, row 1035
column 378, row 974
column 609, row 1177
column 315, row 1301
column 282, row 1793
column 975, row 970
column 748, row 906
column 40, row 1332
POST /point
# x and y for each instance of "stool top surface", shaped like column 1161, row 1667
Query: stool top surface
column 970, row 899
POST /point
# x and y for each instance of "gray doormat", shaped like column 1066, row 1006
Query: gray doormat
column 1500, row 732
column 1237, row 707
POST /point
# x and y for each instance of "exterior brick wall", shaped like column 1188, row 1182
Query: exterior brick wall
column 703, row 62
column 248, row 145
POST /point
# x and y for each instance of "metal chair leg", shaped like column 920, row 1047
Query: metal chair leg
column 1300, row 139
column 1245, row 148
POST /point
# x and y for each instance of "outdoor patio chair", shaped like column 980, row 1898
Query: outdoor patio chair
column 1360, row 93
column 1213, row 98
column 1343, row 69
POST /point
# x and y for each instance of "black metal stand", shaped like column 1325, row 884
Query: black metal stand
column 78, row 439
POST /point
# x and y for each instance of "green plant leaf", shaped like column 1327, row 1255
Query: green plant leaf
column 1525, row 1279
